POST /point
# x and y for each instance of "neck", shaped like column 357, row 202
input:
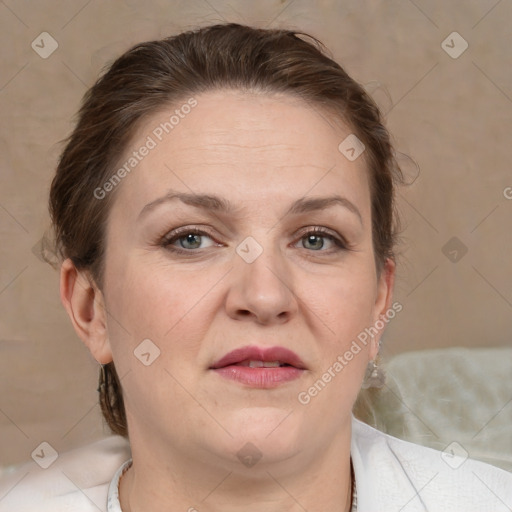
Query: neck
column 307, row 481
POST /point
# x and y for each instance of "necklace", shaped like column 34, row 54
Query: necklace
column 353, row 490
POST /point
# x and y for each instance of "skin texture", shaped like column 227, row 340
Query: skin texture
column 186, row 423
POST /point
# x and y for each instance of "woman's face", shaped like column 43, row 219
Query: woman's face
column 235, row 263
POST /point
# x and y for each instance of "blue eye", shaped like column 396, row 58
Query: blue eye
column 187, row 240
column 193, row 239
column 316, row 240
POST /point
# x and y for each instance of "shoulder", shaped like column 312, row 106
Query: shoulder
column 77, row 480
column 409, row 477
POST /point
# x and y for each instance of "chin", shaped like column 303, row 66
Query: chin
column 273, row 431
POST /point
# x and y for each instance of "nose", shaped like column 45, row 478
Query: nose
column 261, row 290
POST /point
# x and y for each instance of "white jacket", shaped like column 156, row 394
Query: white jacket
column 391, row 476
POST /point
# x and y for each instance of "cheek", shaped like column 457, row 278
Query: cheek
column 156, row 302
column 344, row 308
column 345, row 303
column 173, row 309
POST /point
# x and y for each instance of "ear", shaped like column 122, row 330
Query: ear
column 85, row 306
column 383, row 300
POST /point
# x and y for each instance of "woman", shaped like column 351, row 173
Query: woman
column 225, row 212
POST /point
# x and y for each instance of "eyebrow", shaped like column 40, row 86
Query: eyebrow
column 221, row 205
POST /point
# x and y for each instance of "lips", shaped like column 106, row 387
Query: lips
column 257, row 367
column 259, row 357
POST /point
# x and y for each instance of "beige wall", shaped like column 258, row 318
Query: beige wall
column 453, row 116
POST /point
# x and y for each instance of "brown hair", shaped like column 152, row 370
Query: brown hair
column 156, row 74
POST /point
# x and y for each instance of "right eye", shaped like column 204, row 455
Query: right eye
column 187, row 240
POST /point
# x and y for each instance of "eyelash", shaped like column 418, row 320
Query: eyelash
column 167, row 241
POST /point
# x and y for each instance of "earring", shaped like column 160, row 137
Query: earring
column 374, row 376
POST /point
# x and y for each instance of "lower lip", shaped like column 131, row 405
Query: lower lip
column 260, row 377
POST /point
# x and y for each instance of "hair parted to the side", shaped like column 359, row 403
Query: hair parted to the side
column 159, row 74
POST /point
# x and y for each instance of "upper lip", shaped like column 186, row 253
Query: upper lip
column 253, row 353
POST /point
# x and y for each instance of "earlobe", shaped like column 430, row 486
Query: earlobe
column 84, row 303
column 383, row 300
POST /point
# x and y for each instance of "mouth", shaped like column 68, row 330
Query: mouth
column 260, row 367
column 262, row 364
column 260, row 357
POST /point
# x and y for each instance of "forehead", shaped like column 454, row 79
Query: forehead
column 252, row 143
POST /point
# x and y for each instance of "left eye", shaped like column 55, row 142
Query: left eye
column 317, row 240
